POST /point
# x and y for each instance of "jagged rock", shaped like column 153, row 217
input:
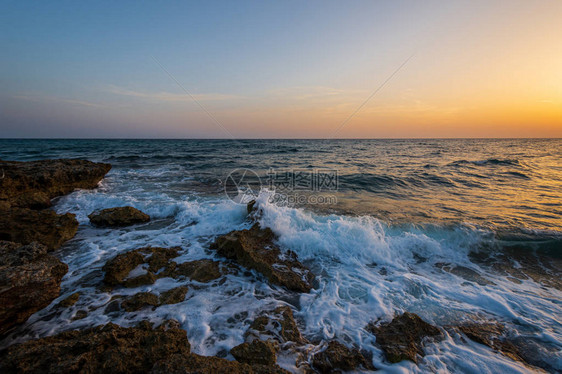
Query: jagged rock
column 139, row 301
column 402, row 338
column 70, row 300
column 337, row 356
column 278, row 325
column 251, row 206
column 29, row 281
column 44, row 226
column 115, row 349
column 173, row 296
column 118, row 268
column 200, row 270
column 254, row 249
column 33, row 184
column 491, row 334
column 118, row 217
column 256, row 352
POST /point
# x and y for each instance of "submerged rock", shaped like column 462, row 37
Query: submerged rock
column 29, row 281
column 118, row 217
column 44, row 226
column 117, row 269
column 114, row 349
column 199, row 270
column 33, row 184
column 278, row 325
column 491, row 334
column 337, row 356
column 402, row 338
column 254, row 249
column 70, row 300
column 256, row 352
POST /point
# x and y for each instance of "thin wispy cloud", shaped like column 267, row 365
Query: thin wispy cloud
column 56, row 99
column 166, row 96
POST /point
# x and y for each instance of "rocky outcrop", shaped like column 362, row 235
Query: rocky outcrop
column 117, row 269
column 145, row 265
column 115, row 349
column 336, row 357
column 403, row 337
column 29, row 281
column 118, row 217
column 44, row 226
column 278, row 325
column 256, row 352
column 255, row 249
column 33, row 184
column 148, row 299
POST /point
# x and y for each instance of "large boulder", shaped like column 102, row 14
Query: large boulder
column 25, row 226
column 29, row 281
column 114, row 349
column 118, row 217
column 33, row 184
column 403, row 337
column 255, row 249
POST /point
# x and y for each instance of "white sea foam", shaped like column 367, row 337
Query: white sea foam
column 365, row 271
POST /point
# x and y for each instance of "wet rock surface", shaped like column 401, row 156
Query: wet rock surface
column 118, row 217
column 336, row 357
column 29, row 281
column 199, row 270
column 256, row 352
column 402, row 338
column 255, row 249
column 114, row 349
column 33, row 184
column 44, row 226
column 278, row 325
column 117, row 269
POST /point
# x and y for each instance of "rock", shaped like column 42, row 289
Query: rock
column 118, row 268
column 139, row 301
column 173, row 296
column 491, row 334
column 70, row 300
column 115, row 349
column 200, row 270
column 402, row 338
column 33, row 184
column 118, row 217
column 103, row 349
column 256, row 352
column 254, row 249
column 44, row 226
column 81, row 314
column 278, row 325
column 29, row 281
column 251, row 206
column 464, row 272
column 337, row 356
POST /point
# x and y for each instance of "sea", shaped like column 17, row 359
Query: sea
column 454, row 230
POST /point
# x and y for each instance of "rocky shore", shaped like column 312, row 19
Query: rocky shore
column 30, row 279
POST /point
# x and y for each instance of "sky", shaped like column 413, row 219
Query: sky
column 290, row 69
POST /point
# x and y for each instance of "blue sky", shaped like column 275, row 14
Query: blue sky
column 274, row 69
